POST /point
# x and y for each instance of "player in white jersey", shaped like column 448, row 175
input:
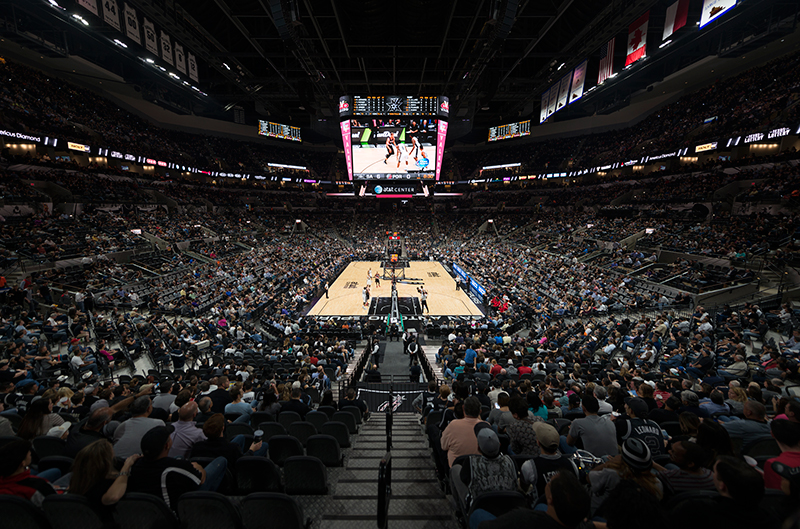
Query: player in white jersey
column 403, row 156
column 417, row 149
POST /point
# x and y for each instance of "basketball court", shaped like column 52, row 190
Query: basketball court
column 443, row 299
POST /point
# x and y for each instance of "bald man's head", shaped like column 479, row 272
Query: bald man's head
column 188, row 411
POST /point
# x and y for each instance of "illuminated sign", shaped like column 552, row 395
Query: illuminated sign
column 706, row 147
column 779, row 133
column 150, row 161
column 756, row 136
column 78, row 147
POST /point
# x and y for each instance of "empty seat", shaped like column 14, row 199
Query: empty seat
column 144, row 511
column 355, row 411
column 305, row 475
column 327, row 410
column 70, row 511
column 288, row 417
column 232, row 430
column 338, row 430
column 257, row 474
column 302, row 431
column 284, row 511
column 282, row 447
column 317, row 418
column 207, row 510
column 326, row 448
column 348, row 419
column 271, row 429
column 19, row 513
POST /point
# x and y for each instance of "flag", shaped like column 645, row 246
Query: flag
column 637, row 39
column 606, row 62
column 677, row 14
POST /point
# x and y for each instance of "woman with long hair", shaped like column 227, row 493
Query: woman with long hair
column 94, row 477
column 39, row 419
column 689, row 424
column 633, row 464
column 536, row 405
column 327, row 399
column 736, row 399
column 715, row 439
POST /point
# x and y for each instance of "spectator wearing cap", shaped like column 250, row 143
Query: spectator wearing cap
column 488, row 471
column 459, row 438
column 597, row 433
column 537, row 472
column 787, row 435
column 128, row 435
column 691, row 473
column 568, row 504
column 168, row 478
column 754, row 425
column 16, row 479
column 634, row 424
column 634, row 463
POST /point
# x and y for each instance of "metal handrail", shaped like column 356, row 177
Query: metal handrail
column 384, row 489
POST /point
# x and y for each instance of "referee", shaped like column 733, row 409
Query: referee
column 423, row 297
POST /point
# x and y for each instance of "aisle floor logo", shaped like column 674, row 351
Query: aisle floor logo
column 397, row 401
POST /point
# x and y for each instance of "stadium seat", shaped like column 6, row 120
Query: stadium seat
column 144, row 511
column 288, row 417
column 302, row 430
column 284, row 512
column 70, row 511
column 21, row 513
column 339, row 431
column 326, row 448
column 317, row 418
column 257, row 474
column 207, row 510
column 305, row 475
column 282, row 447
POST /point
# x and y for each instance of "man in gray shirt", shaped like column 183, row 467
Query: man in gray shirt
column 128, row 435
column 598, row 433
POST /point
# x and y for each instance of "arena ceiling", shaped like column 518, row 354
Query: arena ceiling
column 291, row 59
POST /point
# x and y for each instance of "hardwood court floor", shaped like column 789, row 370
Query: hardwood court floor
column 346, row 292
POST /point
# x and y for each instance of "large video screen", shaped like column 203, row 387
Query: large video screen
column 396, row 148
column 278, row 130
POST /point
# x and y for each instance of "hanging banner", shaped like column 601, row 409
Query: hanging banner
column 150, row 37
column 677, row 14
column 166, row 48
column 111, row 14
column 132, row 25
column 563, row 91
column 578, row 78
column 543, row 111
column 192, row 65
column 180, row 58
column 91, row 5
column 637, row 39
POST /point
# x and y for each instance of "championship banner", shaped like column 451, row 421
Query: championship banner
column 111, row 14
column 150, row 37
column 677, row 14
column 132, row 25
column 712, row 9
column 545, row 102
column 578, row 78
column 192, row 65
column 551, row 106
column 440, row 139
column 563, row 91
column 180, row 58
column 637, row 39
column 166, row 48
column 91, row 5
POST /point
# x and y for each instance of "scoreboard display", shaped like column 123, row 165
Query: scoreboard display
column 278, row 130
column 512, row 130
column 395, row 105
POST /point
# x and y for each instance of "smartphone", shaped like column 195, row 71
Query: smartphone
column 497, row 406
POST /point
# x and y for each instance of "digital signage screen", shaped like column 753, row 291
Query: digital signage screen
column 395, row 148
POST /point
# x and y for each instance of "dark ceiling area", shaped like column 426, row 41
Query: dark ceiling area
column 290, row 60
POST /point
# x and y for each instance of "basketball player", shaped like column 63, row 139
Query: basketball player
column 365, row 297
column 416, row 149
column 377, row 280
column 369, row 276
column 390, row 145
column 402, row 154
